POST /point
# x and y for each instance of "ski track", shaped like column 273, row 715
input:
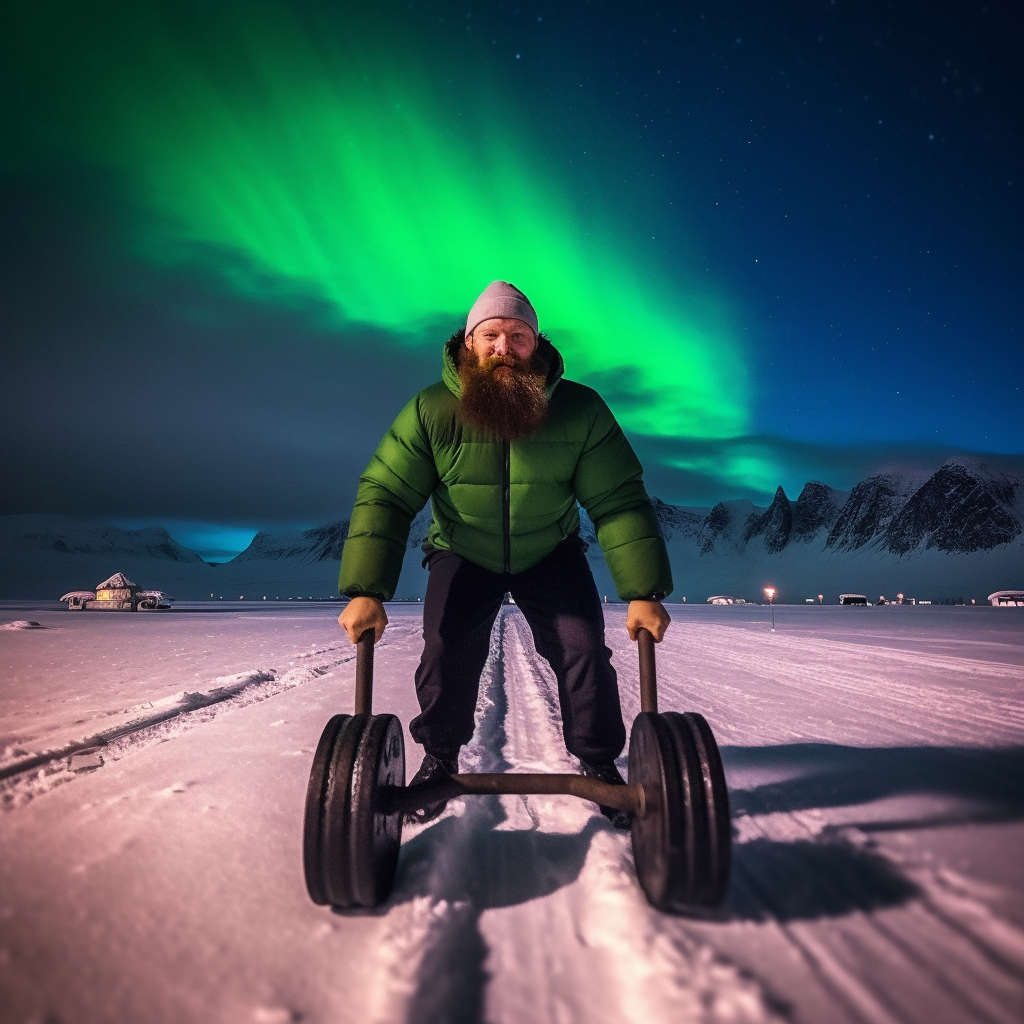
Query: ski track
column 148, row 722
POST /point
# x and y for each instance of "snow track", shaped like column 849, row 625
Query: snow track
column 527, row 908
column 725, row 666
column 882, row 934
column 877, row 795
column 886, row 940
column 24, row 775
column 542, row 888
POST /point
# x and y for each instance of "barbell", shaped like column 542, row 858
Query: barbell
column 357, row 798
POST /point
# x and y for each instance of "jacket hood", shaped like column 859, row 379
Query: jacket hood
column 450, row 363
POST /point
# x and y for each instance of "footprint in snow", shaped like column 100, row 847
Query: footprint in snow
column 175, row 788
column 275, row 1015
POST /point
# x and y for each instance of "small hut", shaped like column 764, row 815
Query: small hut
column 118, row 594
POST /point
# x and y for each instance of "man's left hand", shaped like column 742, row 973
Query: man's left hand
column 649, row 615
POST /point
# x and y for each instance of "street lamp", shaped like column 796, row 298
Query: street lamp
column 769, row 593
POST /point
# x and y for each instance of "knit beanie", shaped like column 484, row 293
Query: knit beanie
column 501, row 300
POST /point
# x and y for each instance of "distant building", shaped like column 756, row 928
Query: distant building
column 723, row 599
column 853, row 599
column 1007, row 599
column 118, row 594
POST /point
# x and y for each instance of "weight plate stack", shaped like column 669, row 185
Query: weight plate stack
column 716, row 800
column 351, row 838
column 681, row 840
column 375, row 831
column 313, row 826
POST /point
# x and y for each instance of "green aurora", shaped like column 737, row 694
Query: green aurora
column 294, row 158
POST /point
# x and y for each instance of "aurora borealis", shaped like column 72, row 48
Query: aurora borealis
column 332, row 171
column 272, row 186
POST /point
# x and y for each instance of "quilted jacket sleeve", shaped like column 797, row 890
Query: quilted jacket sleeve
column 609, row 484
column 393, row 488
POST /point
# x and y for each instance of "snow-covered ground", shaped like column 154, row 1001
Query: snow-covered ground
column 152, row 871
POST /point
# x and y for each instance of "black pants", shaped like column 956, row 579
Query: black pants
column 559, row 599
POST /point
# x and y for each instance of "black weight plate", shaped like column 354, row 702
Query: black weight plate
column 716, row 796
column 681, row 841
column 337, row 812
column 693, row 872
column 312, row 832
column 659, row 833
column 375, row 833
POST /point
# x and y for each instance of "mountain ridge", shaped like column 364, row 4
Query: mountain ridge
column 964, row 523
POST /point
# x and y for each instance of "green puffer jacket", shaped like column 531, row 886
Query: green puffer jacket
column 504, row 505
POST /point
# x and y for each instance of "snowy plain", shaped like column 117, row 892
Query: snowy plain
column 150, row 856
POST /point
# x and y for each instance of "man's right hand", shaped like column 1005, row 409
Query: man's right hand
column 361, row 614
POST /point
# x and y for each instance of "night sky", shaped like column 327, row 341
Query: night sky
column 784, row 241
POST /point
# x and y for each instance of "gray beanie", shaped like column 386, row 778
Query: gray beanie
column 501, row 300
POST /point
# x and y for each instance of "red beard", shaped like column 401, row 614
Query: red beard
column 508, row 402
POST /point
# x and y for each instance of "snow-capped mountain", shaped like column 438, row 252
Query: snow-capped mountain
column 717, row 530
column 44, row 556
column 956, row 533
column 868, row 510
column 962, row 508
column 817, row 508
column 773, row 526
column 675, row 520
column 320, row 544
column 64, row 535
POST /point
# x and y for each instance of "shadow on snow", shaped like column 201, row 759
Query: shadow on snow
column 467, row 860
column 986, row 784
column 830, row 875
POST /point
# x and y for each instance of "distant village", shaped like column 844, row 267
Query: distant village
column 119, row 593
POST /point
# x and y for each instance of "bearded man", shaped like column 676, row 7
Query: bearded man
column 504, row 448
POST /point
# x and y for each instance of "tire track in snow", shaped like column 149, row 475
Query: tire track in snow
column 27, row 777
